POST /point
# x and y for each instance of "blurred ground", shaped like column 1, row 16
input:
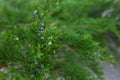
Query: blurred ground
column 111, row 71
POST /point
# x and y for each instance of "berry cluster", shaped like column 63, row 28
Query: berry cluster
column 38, row 68
column 41, row 31
column 42, row 38
column 42, row 28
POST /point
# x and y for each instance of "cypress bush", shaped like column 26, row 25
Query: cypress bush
column 55, row 39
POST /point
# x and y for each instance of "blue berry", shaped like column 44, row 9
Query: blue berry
column 37, row 70
column 42, row 38
column 39, row 32
column 43, row 25
column 36, row 14
column 49, row 31
column 49, row 43
column 41, row 29
column 42, row 66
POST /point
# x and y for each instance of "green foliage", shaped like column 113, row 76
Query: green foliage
column 32, row 47
column 22, row 47
column 14, row 12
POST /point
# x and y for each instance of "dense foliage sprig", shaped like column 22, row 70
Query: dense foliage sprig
column 31, row 47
